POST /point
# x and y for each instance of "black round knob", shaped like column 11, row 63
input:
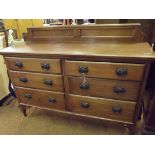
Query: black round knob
column 48, row 82
column 19, row 64
column 83, row 70
column 28, row 96
column 119, row 90
column 121, row 71
column 117, row 109
column 84, row 86
column 84, row 105
column 45, row 66
column 23, row 79
column 52, row 99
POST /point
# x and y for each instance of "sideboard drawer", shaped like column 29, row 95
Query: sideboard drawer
column 37, row 80
column 34, row 64
column 123, row 90
column 41, row 98
column 106, row 108
column 121, row 71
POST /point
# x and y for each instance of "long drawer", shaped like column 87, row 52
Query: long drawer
column 123, row 90
column 100, row 107
column 41, row 98
column 121, row 71
column 34, row 64
column 37, row 80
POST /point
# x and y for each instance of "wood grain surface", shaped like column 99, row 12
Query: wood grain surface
column 104, row 88
column 101, row 48
column 103, row 107
column 37, row 80
column 33, row 64
column 115, row 49
column 106, row 69
column 41, row 98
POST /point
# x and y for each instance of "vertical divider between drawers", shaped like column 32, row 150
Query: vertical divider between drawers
column 66, row 85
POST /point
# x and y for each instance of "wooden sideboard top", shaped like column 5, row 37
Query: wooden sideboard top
column 123, row 41
column 122, row 49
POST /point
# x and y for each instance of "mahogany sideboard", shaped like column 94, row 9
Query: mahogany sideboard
column 95, row 71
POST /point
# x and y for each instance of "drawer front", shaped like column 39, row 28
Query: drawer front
column 123, row 90
column 106, row 108
column 37, row 80
column 121, row 71
column 34, row 64
column 41, row 98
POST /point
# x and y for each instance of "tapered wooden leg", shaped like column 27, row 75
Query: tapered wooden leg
column 132, row 129
column 23, row 109
column 140, row 113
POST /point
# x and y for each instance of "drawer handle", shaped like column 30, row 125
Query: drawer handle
column 19, row 64
column 52, row 99
column 23, row 79
column 117, row 109
column 84, row 86
column 28, row 96
column 83, row 70
column 121, row 71
column 84, row 105
column 119, row 90
column 45, row 66
column 48, row 82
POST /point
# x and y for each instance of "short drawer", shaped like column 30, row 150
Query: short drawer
column 123, row 90
column 34, row 64
column 106, row 108
column 121, row 71
column 37, row 80
column 41, row 98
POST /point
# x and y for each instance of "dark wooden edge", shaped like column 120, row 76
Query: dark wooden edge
column 148, row 127
column 141, row 91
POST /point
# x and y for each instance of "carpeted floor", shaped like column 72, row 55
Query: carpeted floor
column 44, row 122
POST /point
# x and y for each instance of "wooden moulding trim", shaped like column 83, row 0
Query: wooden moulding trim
column 87, row 26
column 81, row 57
column 130, row 37
column 50, row 37
column 78, row 31
column 40, row 90
column 81, row 115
